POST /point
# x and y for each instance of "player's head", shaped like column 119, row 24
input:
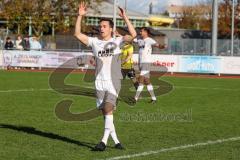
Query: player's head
column 106, row 27
column 128, row 43
column 144, row 32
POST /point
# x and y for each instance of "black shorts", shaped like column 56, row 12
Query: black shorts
column 128, row 72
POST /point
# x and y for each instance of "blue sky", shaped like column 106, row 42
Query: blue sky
column 159, row 5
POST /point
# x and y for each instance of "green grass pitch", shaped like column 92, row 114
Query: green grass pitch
column 197, row 110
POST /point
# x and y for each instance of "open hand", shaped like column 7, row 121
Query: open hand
column 122, row 12
column 82, row 9
column 164, row 46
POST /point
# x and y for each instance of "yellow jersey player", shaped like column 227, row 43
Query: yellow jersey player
column 127, row 63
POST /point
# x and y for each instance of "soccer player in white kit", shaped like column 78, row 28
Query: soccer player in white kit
column 145, row 44
column 106, row 50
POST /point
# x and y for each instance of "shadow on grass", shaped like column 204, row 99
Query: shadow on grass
column 34, row 131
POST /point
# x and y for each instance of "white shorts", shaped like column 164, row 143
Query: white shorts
column 107, row 91
column 145, row 73
column 145, row 70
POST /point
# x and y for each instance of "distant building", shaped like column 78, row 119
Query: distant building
column 105, row 9
column 160, row 21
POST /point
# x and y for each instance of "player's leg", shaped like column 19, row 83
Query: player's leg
column 108, row 112
column 140, row 87
column 144, row 71
column 100, row 95
column 109, row 128
column 135, row 82
column 124, row 73
column 131, row 74
column 150, row 89
column 108, row 120
column 107, row 106
column 111, row 99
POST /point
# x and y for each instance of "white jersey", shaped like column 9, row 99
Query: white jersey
column 145, row 49
column 108, row 61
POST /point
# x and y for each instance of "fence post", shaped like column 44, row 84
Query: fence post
column 214, row 27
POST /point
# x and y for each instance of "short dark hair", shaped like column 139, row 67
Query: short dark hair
column 146, row 29
column 110, row 21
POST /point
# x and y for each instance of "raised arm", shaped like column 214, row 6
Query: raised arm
column 160, row 46
column 81, row 12
column 153, row 43
column 131, row 28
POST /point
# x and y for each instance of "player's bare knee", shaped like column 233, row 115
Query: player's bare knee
column 108, row 108
column 141, row 80
column 147, row 81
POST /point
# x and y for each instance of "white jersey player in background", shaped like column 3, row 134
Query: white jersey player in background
column 106, row 50
column 145, row 44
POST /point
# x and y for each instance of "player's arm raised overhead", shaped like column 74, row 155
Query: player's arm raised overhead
column 131, row 28
column 81, row 12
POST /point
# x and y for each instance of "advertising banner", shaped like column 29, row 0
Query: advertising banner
column 22, row 59
column 200, row 64
column 45, row 59
column 167, row 63
column 231, row 65
column 162, row 63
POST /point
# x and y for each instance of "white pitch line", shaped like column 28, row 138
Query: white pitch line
column 49, row 89
column 205, row 88
column 24, row 90
column 32, row 90
column 175, row 148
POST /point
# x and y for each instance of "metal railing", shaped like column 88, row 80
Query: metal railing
column 201, row 47
column 175, row 46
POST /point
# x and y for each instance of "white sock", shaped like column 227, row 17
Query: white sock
column 114, row 135
column 139, row 90
column 150, row 90
column 108, row 128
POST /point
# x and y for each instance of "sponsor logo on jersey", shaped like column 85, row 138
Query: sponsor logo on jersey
column 106, row 53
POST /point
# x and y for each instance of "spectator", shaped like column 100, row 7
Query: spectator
column 1, row 43
column 8, row 44
column 19, row 43
column 35, row 44
column 26, row 44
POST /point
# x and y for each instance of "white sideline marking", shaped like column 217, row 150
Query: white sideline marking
column 24, row 90
column 204, row 88
column 32, row 90
column 49, row 89
column 175, row 148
